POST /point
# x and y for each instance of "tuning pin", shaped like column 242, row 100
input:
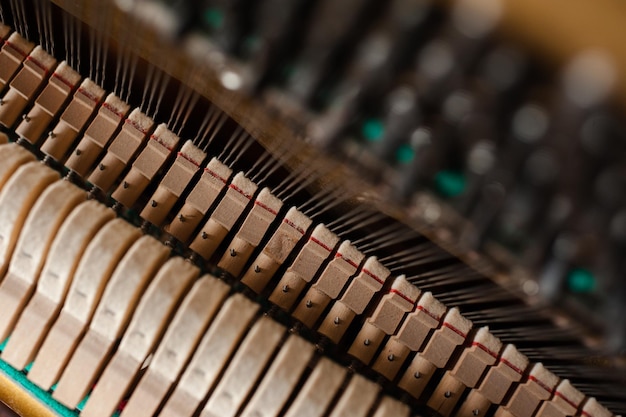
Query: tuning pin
column 480, row 160
column 402, row 115
column 325, row 43
column 421, row 162
column 589, row 79
column 617, row 301
column 278, row 30
column 226, row 21
column 553, row 276
column 328, row 130
column 609, row 187
column 503, row 67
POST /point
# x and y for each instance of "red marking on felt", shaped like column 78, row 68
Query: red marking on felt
column 403, row 296
column 374, row 276
column 483, row 347
column 320, row 243
column 541, row 384
column 114, row 110
column 350, row 261
column 63, row 80
column 214, row 175
column 269, row 209
column 292, row 224
column 454, row 329
column 188, row 158
column 422, row 308
column 88, row 95
column 38, row 64
column 567, row 400
column 240, row 191
column 513, row 367
column 15, row 48
column 136, row 126
column 160, row 142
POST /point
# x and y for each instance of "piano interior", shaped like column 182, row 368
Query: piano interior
column 312, row 208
